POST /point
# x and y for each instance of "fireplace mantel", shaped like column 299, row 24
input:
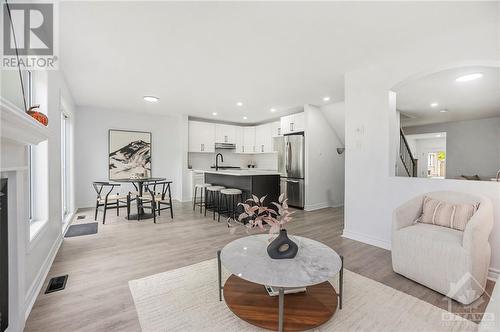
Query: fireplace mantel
column 19, row 127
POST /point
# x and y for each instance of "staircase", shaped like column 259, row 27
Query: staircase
column 409, row 163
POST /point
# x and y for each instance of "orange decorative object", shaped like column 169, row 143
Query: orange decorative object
column 40, row 117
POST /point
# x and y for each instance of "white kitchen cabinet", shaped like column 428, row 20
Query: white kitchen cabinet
column 225, row 133
column 293, row 123
column 248, row 139
column 240, row 148
column 201, row 136
column 263, row 138
column 298, row 122
column 276, row 129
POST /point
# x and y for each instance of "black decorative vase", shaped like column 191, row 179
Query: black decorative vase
column 282, row 247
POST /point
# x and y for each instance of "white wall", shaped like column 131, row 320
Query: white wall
column 91, row 148
column 372, row 193
column 324, row 166
column 472, row 147
column 335, row 115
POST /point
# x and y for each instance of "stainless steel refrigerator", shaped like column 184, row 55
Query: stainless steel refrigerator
column 291, row 162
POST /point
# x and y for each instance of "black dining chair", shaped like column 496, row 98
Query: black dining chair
column 157, row 197
column 109, row 201
column 163, row 201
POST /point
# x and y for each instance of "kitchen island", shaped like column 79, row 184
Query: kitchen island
column 257, row 182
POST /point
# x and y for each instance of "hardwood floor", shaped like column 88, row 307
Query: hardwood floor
column 97, row 297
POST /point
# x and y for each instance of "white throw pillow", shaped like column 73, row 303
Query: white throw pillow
column 445, row 214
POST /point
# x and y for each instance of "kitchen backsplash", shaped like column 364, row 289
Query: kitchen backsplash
column 205, row 160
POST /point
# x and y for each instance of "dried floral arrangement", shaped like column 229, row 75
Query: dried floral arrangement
column 259, row 216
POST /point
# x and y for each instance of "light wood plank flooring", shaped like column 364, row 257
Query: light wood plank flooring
column 97, row 297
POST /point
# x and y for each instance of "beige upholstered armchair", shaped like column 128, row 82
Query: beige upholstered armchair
column 449, row 261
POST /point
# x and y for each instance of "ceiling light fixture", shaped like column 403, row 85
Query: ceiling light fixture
column 245, row 118
column 443, row 111
column 151, row 99
column 326, row 98
column 214, row 113
column 273, row 110
column 434, row 104
column 239, row 103
column 469, row 77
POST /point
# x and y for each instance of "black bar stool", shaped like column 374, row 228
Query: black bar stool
column 231, row 197
column 200, row 202
column 212, row 199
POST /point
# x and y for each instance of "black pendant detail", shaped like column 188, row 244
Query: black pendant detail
column 282, row 247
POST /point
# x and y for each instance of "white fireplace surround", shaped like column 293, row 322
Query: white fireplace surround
column 17, row 131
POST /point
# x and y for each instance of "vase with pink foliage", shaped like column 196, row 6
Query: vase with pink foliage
column 259, row 216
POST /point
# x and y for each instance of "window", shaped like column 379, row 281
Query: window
column 37, row 161
column 65, row 165
column 28, row 90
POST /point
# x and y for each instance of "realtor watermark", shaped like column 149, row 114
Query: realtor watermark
column 465, row 289
column 30, row 35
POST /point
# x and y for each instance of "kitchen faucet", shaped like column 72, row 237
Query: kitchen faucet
column 217, row 160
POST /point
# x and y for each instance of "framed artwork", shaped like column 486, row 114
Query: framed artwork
column 129, row 154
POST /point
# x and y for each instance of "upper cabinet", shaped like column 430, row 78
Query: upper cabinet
column 248, row 140
column 276, row 129
column 264, row 138
column 292, row 123
column 225, row 133
column 240, row 148
column 201, row 136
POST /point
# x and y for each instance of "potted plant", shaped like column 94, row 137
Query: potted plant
column 259, row 216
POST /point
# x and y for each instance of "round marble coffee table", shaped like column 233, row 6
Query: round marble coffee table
column 248, row 262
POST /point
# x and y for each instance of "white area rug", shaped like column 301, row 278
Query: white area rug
column 186, row 299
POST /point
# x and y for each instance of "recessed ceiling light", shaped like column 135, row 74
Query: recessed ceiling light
column 443, row 111
column 244, row 118
column 239, row 103
column 151, row 99
column 434, row 104
column 469, row 77
column 326, row 98
column 438, row 135
column 273, row 110
column 214, row 113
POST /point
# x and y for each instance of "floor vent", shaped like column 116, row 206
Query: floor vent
column 80, row 217
column 57, row 284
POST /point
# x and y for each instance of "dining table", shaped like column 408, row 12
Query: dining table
column 138, row 183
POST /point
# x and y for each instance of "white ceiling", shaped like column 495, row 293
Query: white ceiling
column 203, row 57
column 476, row 99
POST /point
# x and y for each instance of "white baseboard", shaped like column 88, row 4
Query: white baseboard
column 318, row 206
column 367, row 239
column 37, row 284
column 493, row 274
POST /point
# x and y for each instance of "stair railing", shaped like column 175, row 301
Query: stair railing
column 409, row 163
